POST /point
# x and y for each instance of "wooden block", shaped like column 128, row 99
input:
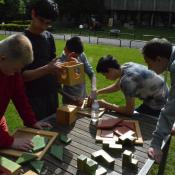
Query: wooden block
column 128, row 161
column 126, row 158
column 25, row 157
column 81, row 161
column 39, row 143
column 101, row 139
column 72, row 73
column 129, row 125
column 90, row 166
column 112, row 147
column 37, row 165
column 120, row 130
column 106, row 143
column 108, row 123
column 107, row 133
column 134, row 164
column 66, row 115
column 101, row 171
column 30, row 173
column 57, row 151
column 127, row 138
column 103, row 157
column 9, row 167
column 65, row 139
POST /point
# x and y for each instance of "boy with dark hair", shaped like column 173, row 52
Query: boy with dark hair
column 75, row 94
column 134, row 80
column 159, row 54
column 40, row 81
column 15, row 53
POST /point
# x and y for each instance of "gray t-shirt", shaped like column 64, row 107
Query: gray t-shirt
column 138, row 81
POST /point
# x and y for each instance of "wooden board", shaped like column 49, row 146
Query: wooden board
column 138, row 141
column 30, row 133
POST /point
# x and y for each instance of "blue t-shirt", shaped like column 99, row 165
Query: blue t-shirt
column 138, row 81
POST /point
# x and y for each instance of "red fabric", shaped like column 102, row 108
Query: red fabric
column 12, row 88
column 5, row 138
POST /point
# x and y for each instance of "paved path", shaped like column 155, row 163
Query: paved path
column 95, row 40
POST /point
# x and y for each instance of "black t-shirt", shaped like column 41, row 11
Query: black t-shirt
column 44, row 51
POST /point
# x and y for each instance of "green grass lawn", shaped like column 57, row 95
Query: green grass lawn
column 94, row 52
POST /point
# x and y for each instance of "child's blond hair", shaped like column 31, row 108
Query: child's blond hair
column 17, row 48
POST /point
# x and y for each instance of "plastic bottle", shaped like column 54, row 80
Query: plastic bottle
column 94, row 112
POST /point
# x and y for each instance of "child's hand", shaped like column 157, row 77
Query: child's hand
column 22, row 144
column 54, row 67
column 41, row 125
column 155, row 154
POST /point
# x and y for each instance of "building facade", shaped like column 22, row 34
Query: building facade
column 142, row 12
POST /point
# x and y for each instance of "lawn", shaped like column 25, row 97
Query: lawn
column 94, row 52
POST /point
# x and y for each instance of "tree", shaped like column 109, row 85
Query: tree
column 78, row 8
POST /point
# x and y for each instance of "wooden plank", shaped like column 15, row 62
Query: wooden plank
column 30, row 173
column 30, row 133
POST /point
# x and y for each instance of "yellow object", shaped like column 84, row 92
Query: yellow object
column 66, row 115
column 72, row 73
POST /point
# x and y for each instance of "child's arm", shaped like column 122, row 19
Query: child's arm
column 127, row 109
column 50, row 68
column 112, row 88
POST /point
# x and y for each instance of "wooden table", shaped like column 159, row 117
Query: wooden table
column 83, row 142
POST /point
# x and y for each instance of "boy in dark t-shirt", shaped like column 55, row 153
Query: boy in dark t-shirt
column 40, row 81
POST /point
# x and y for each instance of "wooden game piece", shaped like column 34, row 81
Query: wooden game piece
column 128, row 161
column 120, row 130
column 65, row 139
column 9, row 167
column 30, row 173
column 57, row 151
column 129, row 124
column 37, row 165
column 112, row 147
column 72, row 74
column 81, row 161
column 134, row 164
column 39, row 143
column 126, row 158
column 107, row 133
column 99, row 138
column 108, row 123
column 25, row 157
column 66, row 115
column 101, row 171
column 90, row 166
column 103, row 157
column 127, row 138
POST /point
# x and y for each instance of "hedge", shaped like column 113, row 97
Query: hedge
column 13, row 27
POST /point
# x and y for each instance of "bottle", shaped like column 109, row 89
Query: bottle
column 94, row 112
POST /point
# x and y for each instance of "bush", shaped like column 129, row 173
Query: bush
column 13, row 27
column 23, row 22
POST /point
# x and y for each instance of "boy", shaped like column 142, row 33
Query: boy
column 135, row 81
column 40, row 81
column 75, row 94
column 15, row 52
column 159, row 54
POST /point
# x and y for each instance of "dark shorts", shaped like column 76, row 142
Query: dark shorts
column 45, row 105
column 147, row 110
